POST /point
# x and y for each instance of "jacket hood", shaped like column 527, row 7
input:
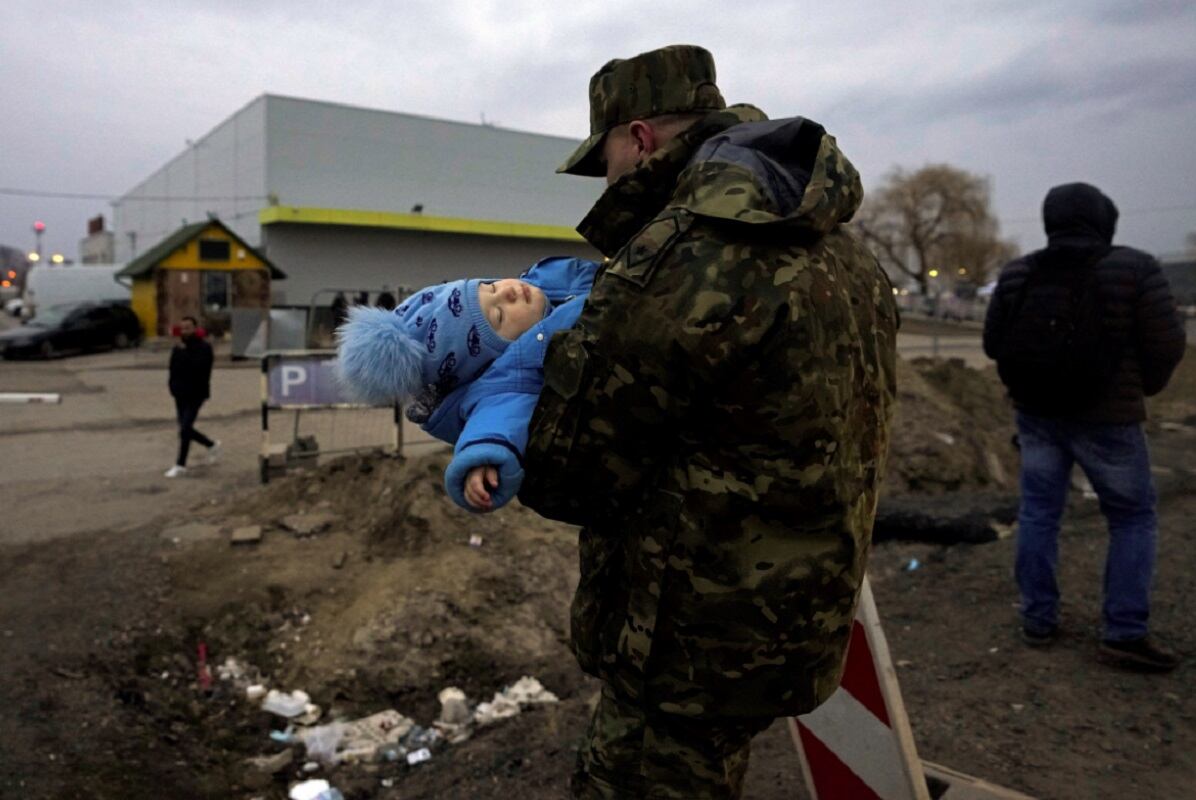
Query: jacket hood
column 636, row 198
column 1078, row 214
column 787, row 172
column 733, row 164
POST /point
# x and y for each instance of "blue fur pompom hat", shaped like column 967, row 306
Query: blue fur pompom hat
column 437, row 338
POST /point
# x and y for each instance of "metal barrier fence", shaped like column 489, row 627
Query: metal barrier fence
column 303, row 383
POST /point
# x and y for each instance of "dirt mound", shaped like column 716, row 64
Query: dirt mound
column 952, row 430
column 1177, row 403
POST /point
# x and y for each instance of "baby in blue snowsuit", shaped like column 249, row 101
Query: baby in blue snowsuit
column 467, row 357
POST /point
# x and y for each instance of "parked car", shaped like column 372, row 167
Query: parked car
column 72, row 328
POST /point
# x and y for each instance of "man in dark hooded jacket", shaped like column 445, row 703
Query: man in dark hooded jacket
column 1134, row 345
column 717, row 421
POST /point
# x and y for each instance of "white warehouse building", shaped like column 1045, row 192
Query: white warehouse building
column 339, row 197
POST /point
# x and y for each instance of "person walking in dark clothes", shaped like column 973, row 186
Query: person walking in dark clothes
column 190, row 381
column 1082, row 331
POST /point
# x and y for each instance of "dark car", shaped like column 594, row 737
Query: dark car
column 71, row 329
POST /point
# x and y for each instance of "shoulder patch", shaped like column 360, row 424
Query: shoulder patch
column 638, row 259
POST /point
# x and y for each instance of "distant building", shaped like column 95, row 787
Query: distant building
column 99, row 245
column 358, row 199
column 202, row 270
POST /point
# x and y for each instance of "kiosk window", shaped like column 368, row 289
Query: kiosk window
column 214, row 250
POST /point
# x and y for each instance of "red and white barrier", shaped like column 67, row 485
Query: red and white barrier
column 858, row 744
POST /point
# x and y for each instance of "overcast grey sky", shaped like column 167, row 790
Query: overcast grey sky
column 96, row 96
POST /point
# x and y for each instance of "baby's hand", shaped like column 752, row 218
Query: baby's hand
column 479, row 482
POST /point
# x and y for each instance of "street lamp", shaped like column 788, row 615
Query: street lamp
column 963, row 271
column 57, row 258
column 934, row 273
column 34, row 257
column 39, row 228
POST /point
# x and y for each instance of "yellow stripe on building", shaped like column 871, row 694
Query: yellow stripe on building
column 415, row 222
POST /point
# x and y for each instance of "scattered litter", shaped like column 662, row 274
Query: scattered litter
column 283, row 737
column 340, row 560
column 475, row 540
column 529, row 691
column 286, row 705
column 912, row 565
column 454, row 708
column 419, row 738
column 311, row 766
column 509, row 702
column 311, row 715
column 308, row 524
column 387, row 783
column 945, row 438
column 203, row 674
column 250, row 534
column 1176, row 427
column 992, row 650
column 419, row 756
column 321, row 742
column 315, row 789
column 361, row 740
column 255, row 692
column 455, row 717
column 1017, row 706
column 499, row 708
column 904, row 662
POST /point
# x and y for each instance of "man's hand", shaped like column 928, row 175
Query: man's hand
column 479, row 482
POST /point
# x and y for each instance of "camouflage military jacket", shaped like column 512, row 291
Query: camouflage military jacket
column 717, row 421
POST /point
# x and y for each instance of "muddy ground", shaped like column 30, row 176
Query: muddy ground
column 99, row 635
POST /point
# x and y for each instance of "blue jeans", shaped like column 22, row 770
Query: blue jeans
column 1116, row 461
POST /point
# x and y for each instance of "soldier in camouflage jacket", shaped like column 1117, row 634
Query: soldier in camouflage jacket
column 717, row 422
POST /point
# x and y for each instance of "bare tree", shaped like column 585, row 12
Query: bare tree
column 936, row 221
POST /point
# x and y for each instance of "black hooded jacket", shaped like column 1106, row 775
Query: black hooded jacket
column 1139, row 310
column 191, row 370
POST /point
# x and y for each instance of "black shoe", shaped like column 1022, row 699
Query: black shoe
column 1139, row 654
column 1039, row 637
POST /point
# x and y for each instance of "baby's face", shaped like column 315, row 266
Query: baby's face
column 511, row 306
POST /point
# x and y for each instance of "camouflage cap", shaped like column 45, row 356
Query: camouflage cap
column 672, row 80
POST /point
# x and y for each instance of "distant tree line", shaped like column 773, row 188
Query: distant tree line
column 935, row 223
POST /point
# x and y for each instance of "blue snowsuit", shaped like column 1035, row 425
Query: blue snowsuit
column 473, row 388
column 487, row 419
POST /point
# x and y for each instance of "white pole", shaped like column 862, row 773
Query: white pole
column 24, row 397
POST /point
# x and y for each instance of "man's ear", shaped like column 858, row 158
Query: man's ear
column 643, row 136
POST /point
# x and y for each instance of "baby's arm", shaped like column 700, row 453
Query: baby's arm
column 497, row 408
column 487, row 466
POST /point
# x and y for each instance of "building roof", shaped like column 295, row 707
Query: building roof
column 146, row 262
